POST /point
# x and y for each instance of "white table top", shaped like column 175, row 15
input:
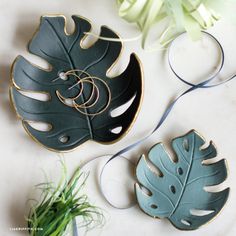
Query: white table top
column 210, row 112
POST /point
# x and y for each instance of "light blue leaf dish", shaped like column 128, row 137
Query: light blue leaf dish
column 176, row 190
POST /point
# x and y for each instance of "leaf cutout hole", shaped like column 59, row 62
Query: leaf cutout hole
column 39, row 62
column 116, row 130
column 40, row 126
column 118, row 68
column 197, row 212
column 123, row 108
column 205, row 145
column 70, row 26
column 44, row 97
column 89, row 39
column 215, row 188
column 186, row 145
column 64, row 139
column 154, row 168
column 145, row 190
column 173, row 189
column 171, row 153
column 180, row 171
column 154, row 206
column 209, row 161
column 186, row 222
column 68, row 102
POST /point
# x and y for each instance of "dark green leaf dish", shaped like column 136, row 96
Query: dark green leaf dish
column 83, row 100
column 175, row 190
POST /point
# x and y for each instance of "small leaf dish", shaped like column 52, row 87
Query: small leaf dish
column 176, row 189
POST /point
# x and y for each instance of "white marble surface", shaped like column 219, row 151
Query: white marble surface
column 211, row 112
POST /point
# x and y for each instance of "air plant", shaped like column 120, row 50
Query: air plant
column 191, row 16
column 55, row 214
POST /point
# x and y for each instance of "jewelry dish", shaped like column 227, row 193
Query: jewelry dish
column 176, row 189
column 82, row 99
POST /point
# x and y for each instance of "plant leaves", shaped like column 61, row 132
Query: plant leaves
column 59, row 206
column 175, row 190
column 69, row 127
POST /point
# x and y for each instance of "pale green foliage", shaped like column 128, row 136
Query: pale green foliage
column 190, row 16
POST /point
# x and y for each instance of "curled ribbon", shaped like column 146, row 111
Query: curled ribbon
column 191, row 16
column 206, row 84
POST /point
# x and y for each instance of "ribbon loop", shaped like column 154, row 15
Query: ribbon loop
column 192, row 87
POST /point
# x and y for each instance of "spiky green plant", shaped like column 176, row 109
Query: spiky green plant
column 60, row 205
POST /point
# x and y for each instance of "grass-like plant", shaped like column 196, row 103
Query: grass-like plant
column 55, row 213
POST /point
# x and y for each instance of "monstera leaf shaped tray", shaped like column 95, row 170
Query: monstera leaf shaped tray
column 176, row 190
column 82, row 98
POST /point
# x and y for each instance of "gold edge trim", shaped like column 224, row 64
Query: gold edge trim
column 23, row 121
column 11, row 86
column 227, row 188
column 139, row 106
